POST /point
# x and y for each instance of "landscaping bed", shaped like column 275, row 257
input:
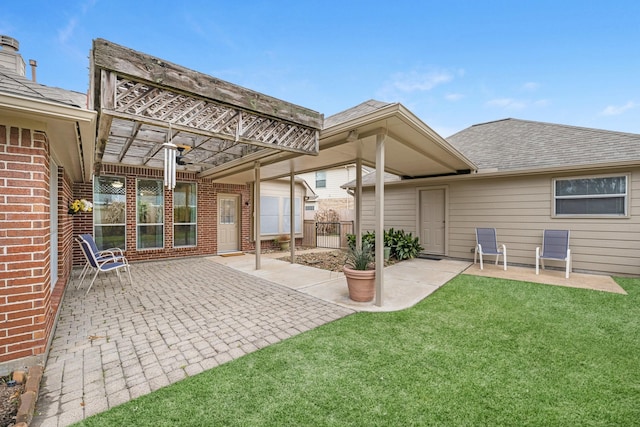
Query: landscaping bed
column 9, row 401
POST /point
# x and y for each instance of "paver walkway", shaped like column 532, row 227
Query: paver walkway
column 181, row 317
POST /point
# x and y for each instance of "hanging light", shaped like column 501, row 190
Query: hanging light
column 170, row 150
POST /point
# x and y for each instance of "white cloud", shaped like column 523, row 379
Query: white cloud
column 508, row 103
column 65, row 33
column 417, row 81
column 530, row 86
column 453, row 96
column 614, row 110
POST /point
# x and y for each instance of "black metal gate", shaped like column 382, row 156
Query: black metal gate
column 333, row 234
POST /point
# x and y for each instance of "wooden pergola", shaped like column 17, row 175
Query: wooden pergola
column 143, row 102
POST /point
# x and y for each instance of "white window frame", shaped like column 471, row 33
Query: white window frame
column 122, row 180
column 624, row 195
column 321, row 176
column 282, row 215
column 195, row 224
column 155, row 224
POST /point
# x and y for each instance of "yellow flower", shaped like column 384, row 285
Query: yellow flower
column 80, row 205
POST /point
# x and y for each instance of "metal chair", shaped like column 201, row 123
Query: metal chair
column 555, row 246
column 101, row 261
column 100, row 255
column 487, row 244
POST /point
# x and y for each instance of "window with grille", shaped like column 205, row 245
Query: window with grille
column 109, row 212
column 228, row 211
column 321, row 179
column 184, row 214
column 595, row 196
column 149, row 214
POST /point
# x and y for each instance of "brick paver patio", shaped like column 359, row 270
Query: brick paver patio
column 179, row 318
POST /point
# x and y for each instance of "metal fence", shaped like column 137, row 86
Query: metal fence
column 333, row 234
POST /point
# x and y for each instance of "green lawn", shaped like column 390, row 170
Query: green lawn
column 479, row 352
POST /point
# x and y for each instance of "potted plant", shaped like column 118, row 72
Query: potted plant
column 360, row 273
column 283, row 240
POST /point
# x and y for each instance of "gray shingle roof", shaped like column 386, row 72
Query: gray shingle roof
column 512, row 144
column 354, row 112
column 15, row 84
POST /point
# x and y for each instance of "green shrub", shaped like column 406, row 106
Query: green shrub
column 403, row 245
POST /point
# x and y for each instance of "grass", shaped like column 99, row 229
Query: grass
column 480, row 351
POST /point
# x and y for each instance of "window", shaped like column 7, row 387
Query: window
column 150, row 214
column 109, row 220
column 184, row 214
column 228, row 211
column 321, row 179
column 591, row 196
column 274, row 215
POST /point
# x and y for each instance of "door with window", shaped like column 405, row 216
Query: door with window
column 432, row 221
column 228, row 223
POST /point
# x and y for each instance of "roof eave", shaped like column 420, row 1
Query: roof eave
column 43, row 110
column 399, row 111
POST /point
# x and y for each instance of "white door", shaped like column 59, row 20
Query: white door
column 432, row 221
column 228, row 227
column 53, row 230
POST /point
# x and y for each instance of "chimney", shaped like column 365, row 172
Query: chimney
column 9, row 56
column 33, row 64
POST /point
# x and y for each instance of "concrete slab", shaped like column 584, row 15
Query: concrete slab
column 405, row 283
column 548, row 277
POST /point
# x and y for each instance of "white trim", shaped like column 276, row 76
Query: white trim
column 626, row 196
column 446, row 212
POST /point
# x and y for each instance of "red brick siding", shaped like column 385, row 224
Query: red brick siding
column 207, row 218
column 25, row 297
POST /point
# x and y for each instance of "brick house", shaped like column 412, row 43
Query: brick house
column 50, row 142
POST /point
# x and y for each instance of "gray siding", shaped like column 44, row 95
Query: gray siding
column 520, row 208
column 399, row 209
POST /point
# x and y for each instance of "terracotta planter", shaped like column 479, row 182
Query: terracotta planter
column 361, row 284
column 284, row 245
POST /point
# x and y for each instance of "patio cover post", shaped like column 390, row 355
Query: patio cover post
column 292, row 228
column 256, row 211
column 358, row 195
column 379, row 210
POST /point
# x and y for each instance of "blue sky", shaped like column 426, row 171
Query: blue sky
column 453, row 63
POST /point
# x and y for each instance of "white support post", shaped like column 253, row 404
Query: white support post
column 292, row 211
column 379, row 210
column 358, row 203
column 256, row 211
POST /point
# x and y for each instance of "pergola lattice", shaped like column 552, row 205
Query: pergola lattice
column 144, row 102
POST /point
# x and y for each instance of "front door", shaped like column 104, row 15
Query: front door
column 432, row 221
column 228, row 230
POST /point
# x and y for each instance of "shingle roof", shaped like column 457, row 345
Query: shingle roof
column 354, row 112
column 512, row 144
column 13, row 83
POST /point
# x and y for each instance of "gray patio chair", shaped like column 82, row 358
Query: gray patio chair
column 487, row 244
column 100, row 255
column 555, row 246
column 103, row 264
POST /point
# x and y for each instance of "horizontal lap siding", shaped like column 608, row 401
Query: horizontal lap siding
column 399, row 209
column 520, row 208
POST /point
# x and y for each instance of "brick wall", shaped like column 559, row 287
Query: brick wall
column 207, row 218
column 25, row 297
